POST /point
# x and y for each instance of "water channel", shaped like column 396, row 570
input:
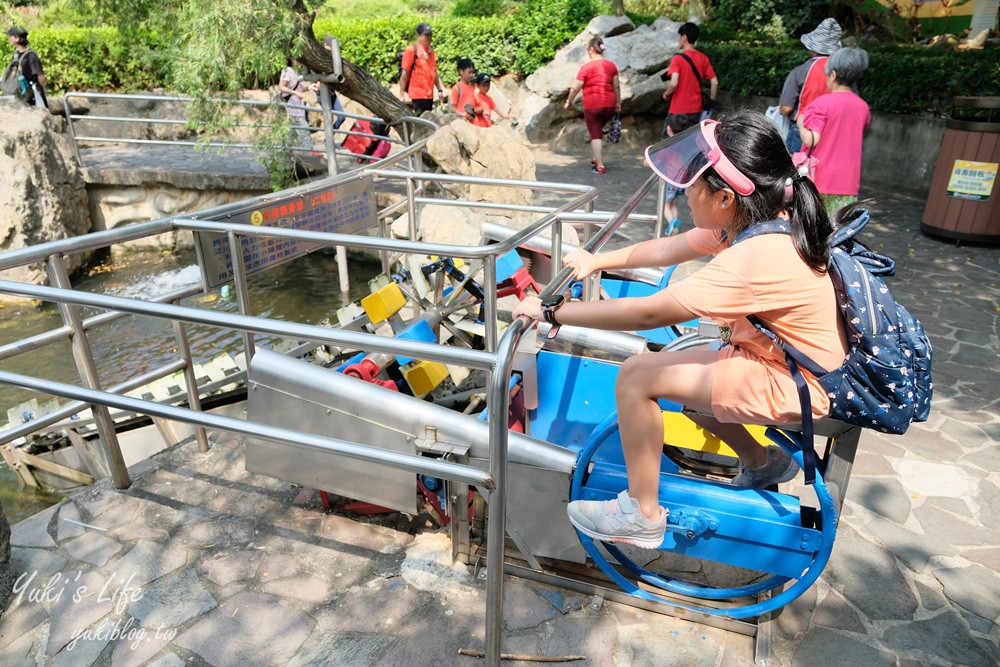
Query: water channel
column 304, row 290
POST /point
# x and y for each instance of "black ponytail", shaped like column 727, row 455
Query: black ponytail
column 753, row 145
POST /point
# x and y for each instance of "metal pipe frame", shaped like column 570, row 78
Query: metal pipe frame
column 497, row 363
column 257, row 325
column 84, row 358
column 62, row 333
column 420, row 464
column 71, row 409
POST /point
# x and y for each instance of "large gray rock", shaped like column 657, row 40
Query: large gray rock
column 495, row 152
column 42, row 195
column 641, row 54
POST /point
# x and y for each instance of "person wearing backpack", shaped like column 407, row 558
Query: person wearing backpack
column 738, row 176
column 807, row 82
column 31, row 76
column 687, row 70
column 418, row 77
column 833, row 127
column 462, row 97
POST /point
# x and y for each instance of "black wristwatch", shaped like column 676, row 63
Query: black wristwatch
column 550, row 306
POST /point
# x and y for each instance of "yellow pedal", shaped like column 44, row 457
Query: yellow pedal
column 679, row 431
column 384, row 303
column 424, row 376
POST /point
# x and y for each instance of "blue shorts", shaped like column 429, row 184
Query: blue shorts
column 670, row 193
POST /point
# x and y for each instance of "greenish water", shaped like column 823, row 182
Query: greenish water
column 304, row 290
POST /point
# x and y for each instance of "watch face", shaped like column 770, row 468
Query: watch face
column 553, row 301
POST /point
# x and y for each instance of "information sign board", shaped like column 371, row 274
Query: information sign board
column 346, row 208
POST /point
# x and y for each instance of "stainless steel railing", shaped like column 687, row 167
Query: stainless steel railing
column 496, row 359
column 403, row 126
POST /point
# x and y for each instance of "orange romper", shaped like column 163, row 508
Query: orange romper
column 763, row 276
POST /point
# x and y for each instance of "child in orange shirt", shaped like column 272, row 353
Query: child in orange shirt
column 463, row 94
column 485, row 107
column 738, row 173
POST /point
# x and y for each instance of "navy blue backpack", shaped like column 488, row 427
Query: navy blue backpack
column 885, row 381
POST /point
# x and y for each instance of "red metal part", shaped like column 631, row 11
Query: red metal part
column 517, row 284
column 368, row 370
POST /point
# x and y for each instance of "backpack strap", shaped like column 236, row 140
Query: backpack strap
column 794, row 359
column 694, row 69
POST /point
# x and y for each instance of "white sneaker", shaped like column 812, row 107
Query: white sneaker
column 618, row 520
column 780, row 467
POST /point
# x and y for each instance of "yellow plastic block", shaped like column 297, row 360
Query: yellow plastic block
column 424, row 376
column 679, row 431
column 383, row 304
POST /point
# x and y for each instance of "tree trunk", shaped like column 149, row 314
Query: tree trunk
column 358, row 84
column 618, row 7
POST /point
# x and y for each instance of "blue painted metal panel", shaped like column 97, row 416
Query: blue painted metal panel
column 616, row 288
column 574, row 395
column 757, row 529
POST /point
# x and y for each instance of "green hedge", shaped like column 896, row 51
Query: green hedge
column 519, row 42
column 899, row 79
column 374, row 43
column 94, row 58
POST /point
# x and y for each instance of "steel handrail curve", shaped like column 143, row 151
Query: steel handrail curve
column 435, row 467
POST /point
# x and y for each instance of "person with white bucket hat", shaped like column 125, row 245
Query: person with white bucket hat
column 808, row 81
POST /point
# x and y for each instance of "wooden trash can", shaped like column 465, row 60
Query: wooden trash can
column 964, row 200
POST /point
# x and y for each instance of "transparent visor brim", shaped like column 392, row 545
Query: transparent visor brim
column 680, row 159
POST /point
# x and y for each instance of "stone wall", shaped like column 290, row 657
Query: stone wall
column 42, row 194
column 112, row 206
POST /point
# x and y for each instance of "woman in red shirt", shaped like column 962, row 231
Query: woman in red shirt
column 598, row 78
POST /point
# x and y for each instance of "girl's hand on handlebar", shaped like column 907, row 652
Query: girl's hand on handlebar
column 583, row 263
column 530, row 306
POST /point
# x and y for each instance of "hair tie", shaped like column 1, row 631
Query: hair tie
column 789, row 193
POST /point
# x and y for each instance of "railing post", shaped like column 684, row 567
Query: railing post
column 194, row 399
column 490, row 302
column 331, row 169
column 411, row 214
column 499, row 403
column 327, row 105
column 72, row 131
column 84, row 358
column 661, row 193
column 242, row 296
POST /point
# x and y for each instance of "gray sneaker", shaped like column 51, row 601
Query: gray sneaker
column 618, row 520
column 780, row 467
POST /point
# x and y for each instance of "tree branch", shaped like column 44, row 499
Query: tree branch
column 359, row 84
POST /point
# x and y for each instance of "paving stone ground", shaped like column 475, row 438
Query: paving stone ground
column 201, row 563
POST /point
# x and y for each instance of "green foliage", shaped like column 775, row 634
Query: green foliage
column 237, row 43
column 477, row 7
column 900, row 79
column 374, row 43
column 645, row 12
column 541, row 27
column 93, row 58
column 797, row 16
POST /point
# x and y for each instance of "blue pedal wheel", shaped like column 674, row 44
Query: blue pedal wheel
column 600, row 473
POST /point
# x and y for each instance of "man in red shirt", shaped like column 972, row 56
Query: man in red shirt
column 684, row 85
column 420, row 77
column 684, row 93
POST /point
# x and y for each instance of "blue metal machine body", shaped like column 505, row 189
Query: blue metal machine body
column 616, row 288
column 750, row 528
